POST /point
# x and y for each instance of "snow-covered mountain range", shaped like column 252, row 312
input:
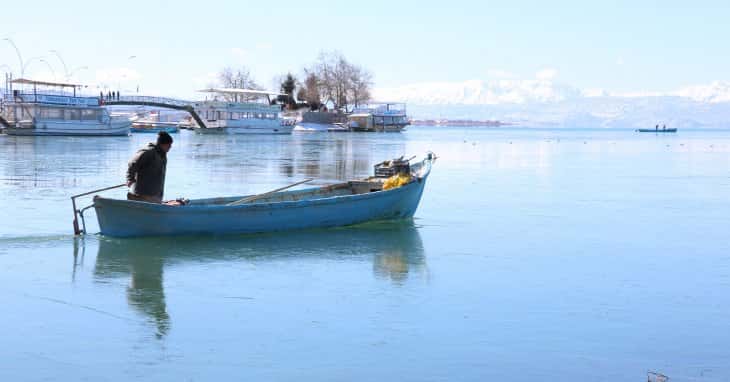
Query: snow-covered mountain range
column 541, row 101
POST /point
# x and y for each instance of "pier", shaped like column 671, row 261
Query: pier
column 161, row 102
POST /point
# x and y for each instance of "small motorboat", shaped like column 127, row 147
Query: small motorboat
column 334, row 205
column 150, row 126
column 308, row 127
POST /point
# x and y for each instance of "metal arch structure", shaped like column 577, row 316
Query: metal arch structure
column 161, row 102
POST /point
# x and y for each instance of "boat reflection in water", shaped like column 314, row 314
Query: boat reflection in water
column 395, row 248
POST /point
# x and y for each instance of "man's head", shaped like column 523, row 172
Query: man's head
column 164, row 141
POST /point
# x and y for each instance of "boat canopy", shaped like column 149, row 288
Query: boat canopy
column 24, row 81
column 240, row 91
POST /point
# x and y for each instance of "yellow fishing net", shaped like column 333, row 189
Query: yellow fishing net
column 396, row 181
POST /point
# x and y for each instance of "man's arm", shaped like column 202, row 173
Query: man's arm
column 138, row 161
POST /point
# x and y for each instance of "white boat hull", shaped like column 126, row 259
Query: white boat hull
column 252, row 126
column 309, row 127
column 259, row 130
column 71, row 128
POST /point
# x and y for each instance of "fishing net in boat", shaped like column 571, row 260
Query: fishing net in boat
column 396, row 181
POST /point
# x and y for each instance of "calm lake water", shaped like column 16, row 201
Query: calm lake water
column 535, row 255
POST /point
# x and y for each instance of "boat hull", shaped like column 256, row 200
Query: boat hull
column 123, row 218
column 52, row 128
column 280, row 129
column 247, row 126
column 310, row 127
column 253, row 130
column 154, row 127
column 154, row 130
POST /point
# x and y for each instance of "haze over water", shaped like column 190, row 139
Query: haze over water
column 536, row 254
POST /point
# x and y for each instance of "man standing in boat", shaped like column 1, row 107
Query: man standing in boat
column 146, row 171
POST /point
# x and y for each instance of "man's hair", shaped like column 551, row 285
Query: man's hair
column 163, row 138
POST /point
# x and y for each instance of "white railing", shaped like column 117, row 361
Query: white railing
column 149, row 99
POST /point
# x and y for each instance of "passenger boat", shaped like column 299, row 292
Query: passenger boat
column 241, row 111
column 50, row 108
column 383, row 116
column 340, row 204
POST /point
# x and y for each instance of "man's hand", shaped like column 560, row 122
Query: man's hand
column 130, row 183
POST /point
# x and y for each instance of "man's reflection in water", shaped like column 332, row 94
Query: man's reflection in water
column 395, row 247
column 145, row 292
column 140, row 260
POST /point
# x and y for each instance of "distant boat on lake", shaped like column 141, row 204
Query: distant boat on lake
column 656, row 129
column 51, row 108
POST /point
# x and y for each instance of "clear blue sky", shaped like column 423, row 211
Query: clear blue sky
column 618, row 46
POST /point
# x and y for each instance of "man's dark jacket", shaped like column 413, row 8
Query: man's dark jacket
column 147, row 171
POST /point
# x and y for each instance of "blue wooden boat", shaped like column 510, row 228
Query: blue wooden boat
column 335, row 205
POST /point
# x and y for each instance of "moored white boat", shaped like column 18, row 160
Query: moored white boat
column 382, row 116
column 48, row 108
column 241, row 111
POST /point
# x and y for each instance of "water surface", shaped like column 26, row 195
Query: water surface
column 563, row 254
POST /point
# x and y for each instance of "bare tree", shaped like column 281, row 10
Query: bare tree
column 310, row 91
column 340, row 81
column 237, row 79
column 360, row 81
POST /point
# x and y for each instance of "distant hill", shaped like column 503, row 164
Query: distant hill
column 543, row 103
column 456, row 122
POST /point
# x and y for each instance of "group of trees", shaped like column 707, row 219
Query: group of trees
column 330, row 80
column 338, row 81
column 237, row 79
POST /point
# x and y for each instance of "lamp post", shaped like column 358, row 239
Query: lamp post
column 70, row 75
column 10, row 70
column 25, row 65
column 53, row 72
column 65, row 68
column 129, row 59
column 17, row 51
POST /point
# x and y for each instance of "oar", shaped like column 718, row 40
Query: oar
column 254, row 197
